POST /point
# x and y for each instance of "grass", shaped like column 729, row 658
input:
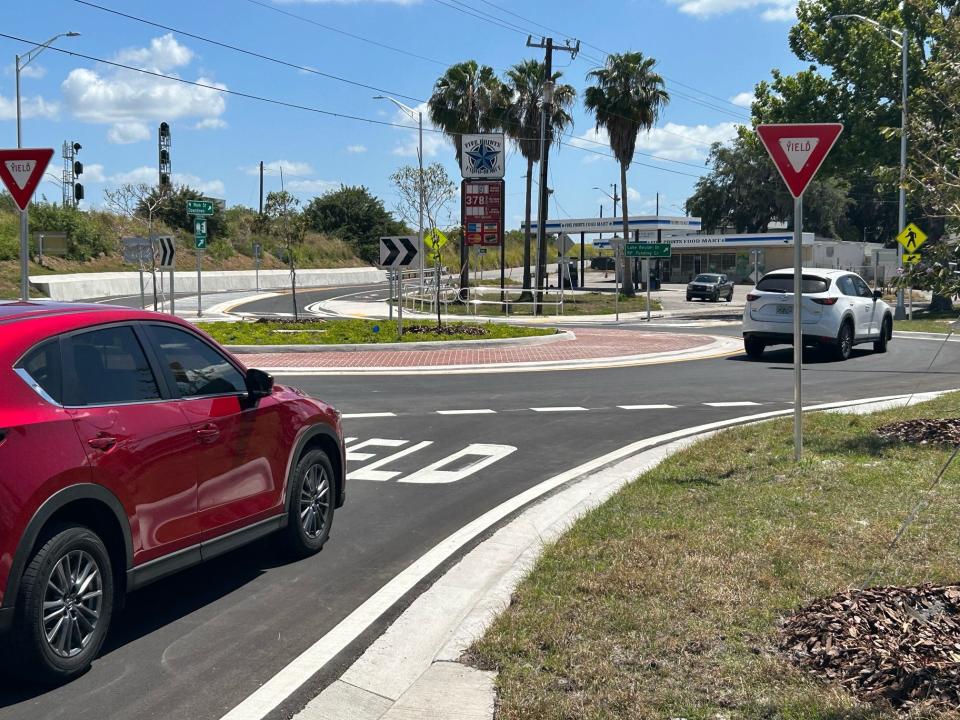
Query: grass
column 928, row 322
column 664, row 602
column 589, row 304
column 339, row 332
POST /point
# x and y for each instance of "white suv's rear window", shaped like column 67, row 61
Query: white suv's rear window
column 784, row 284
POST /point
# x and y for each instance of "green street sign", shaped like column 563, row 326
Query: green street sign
column 200, row 232
column 200, row 207
column 646, row 250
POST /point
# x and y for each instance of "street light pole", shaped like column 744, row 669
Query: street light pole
column 902, row 44
column 20, row 62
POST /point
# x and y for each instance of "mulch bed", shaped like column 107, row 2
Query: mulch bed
column 894, row 644
column 923, row 431
column 451, row 329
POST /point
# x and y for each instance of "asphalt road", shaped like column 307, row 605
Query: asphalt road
column 195, row 645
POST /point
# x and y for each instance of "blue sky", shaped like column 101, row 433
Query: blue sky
column 722, row 48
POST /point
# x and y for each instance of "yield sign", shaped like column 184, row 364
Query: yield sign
column 21, row 171
column 799, row 150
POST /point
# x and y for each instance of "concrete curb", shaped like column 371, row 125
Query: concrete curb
column 560, row 336
column 908, row 335
column 413, row 669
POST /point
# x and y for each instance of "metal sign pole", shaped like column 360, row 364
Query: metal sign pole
column 390, row 293
column 797, row 328
column 400, row 303
column 616, row 281
column 646, row 272
column 173, row 308
column 143, row 299
column 199, row 286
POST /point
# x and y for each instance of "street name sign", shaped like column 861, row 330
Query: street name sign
column 200, row 232
column 647, row 250
column 799, row 150
column 911, row 238
column 203, row 208
column 21, row 170
column 167, row 252
column 398, row 251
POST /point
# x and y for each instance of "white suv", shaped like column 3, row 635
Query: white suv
column 838, row 309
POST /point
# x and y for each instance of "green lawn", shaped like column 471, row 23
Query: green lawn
column 338, row 332
column 929, row 322
column 664, row 602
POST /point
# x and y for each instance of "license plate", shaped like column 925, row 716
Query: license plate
column 784, row 309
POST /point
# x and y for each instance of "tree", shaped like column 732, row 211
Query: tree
column 525, row 81
column 743, row 191
column 627, row 97
column 354, row 215
column 288, row 224
column 436, row 187
column 467, row 98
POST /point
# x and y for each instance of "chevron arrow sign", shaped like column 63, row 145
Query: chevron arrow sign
column 398, row 252
column 167, row 252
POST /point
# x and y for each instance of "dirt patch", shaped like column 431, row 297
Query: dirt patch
column 923, row 431
column 898, row 644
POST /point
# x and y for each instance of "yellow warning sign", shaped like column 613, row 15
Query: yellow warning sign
column 911, row 238
column 911, row 258
column 434, row 239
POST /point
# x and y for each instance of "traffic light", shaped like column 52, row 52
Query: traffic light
column 77, row 192
column 72, row 170
column 163, row 147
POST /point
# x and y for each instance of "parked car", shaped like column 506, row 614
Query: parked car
column 838, row 311
column 710, row 286
column 133, row 446
column 603, row 262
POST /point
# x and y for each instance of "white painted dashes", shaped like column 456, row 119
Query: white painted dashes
column 647, row 407
column 354, row 416
column 561, row 409
column 484, row 411
column 742, row 403
column 567, row 408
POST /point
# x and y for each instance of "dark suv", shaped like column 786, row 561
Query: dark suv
column 133, row 446
column 710, row 286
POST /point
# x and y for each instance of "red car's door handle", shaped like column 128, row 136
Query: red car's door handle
column 208, row 433
column 102, row 442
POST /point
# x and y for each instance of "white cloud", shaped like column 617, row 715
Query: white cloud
column 356, row 149
column 315, row 187
column 632, row 194
column 433, row 142
column 771, row 10
column 213, row 123
column 744, row 99
column 124, row 133
column 121, row 98
column 93, row 173
column 164, row 53
column 30, row 71
column 148, row 175
column 30, row 107
column 292, row 168
column 687, row 143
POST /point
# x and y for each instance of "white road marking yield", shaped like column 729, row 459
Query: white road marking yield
column 485, row 411
column 560, row 408
column 433, row 474
column 371, row 472
column 741, row 403
column 372, row 442
column 347, row 416
column 348, row 440
column 647, row 407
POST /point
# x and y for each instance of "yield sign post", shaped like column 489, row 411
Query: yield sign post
column 798, row 151
column 21, row 171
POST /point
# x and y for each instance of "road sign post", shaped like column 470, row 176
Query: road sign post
column 911, row 238
column 397, row 253
column 798, row 151
column 256, row 260
column 21, row 171
column 168, row 254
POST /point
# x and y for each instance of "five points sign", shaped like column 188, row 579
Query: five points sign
column 21, row 171
column 799, row 150
column 482, row 156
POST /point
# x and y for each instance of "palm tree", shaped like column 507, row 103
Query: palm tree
column 627, row 97
column 468, row 98
column 525, row 81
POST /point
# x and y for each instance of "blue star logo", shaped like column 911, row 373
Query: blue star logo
column 483, row 158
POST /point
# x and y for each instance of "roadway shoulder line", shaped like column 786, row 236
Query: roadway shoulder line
column 289, row 679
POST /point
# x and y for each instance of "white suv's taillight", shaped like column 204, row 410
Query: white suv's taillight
column 825, row 301
column 751, row 297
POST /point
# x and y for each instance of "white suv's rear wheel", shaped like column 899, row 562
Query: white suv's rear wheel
column 844, row 345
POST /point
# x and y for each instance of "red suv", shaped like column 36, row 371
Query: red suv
column 133, row 446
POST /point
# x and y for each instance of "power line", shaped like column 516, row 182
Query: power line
column 345, row 33
column 281, row 103
column 251, row 53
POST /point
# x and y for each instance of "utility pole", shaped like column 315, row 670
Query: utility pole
column 546, row 137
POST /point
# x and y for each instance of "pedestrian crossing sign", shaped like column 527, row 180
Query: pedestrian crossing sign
column 911, row 238
column 911, row 258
